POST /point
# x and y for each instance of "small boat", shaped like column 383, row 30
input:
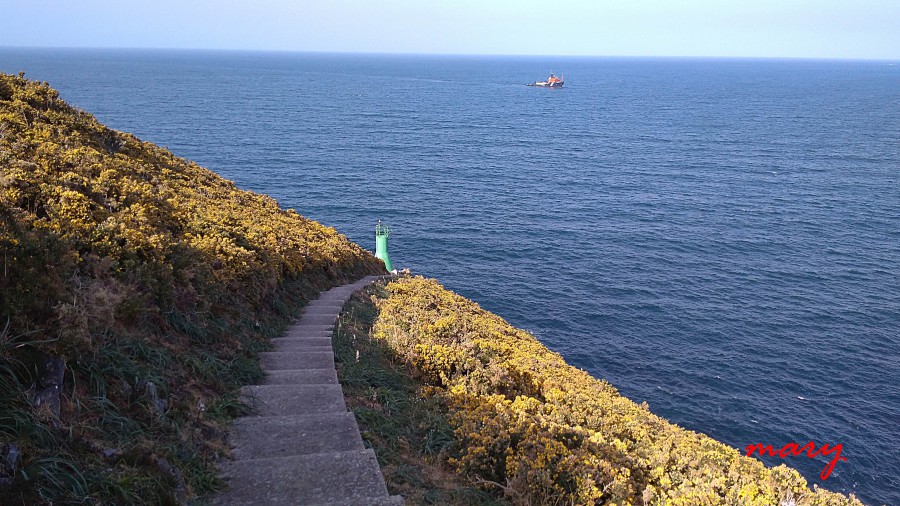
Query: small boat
column 551, row 82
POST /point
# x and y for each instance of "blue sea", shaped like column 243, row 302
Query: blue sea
column 719, row 238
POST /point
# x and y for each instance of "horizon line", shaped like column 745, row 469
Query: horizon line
column 449, row 54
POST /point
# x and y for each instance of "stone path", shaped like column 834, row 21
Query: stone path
column 301, row 446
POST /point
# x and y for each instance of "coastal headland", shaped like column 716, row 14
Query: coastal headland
column 138, row 290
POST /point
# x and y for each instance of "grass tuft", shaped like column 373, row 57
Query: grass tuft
column 57, row 477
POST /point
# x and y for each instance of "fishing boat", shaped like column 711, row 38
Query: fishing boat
column 551, row 82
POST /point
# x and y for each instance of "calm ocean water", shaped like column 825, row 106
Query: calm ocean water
column 719, row 238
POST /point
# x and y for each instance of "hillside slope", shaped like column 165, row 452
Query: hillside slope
column 135, row 290
column 535, row 430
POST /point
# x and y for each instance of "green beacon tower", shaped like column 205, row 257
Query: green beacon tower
column 382, row 232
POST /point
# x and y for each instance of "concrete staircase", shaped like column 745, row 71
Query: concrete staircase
column 301, row 446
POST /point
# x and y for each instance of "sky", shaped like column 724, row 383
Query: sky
column 857, row 29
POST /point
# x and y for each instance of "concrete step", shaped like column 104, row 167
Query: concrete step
column 301, row 377
column 307, row 340
column 339, row 289
column 309, row 331
column 284, row 436
column 325, row 303
column 348, row 289
column 301, row 348
column 335, row 296
column 332, row 300
column 281, row 400
column 323, row 308
column 301, row 445
column 299, row 342
column 312, row 336
column 314, row 316
column 301, row 328
column 348, row 477
column 394, row 500
column 315, row 311
column 297, row 359
column 318, row 319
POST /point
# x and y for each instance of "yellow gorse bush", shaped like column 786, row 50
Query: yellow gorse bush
column 545, row 432
column 153, row 282
column 93, row 192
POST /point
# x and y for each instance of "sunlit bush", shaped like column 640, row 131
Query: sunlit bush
column 154, row 280
column 544, row 432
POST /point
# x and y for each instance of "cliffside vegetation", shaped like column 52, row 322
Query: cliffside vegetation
column 136, row 289
column 531, row 429
column 410, row 433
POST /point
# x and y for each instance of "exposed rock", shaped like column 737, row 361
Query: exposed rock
column 44, row 394
column 13, row 457
column 179, row 490
column 10, row 458
column 151, row 394
column 127, row 389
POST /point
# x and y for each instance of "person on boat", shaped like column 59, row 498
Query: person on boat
column 553, row 79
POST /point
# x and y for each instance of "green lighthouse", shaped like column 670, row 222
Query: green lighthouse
column 382, row 232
